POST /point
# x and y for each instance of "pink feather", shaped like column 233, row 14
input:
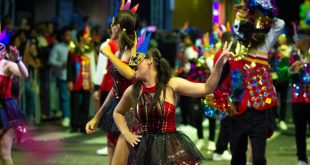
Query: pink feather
column 141, row 39
column 2, row 34
column 127, row 5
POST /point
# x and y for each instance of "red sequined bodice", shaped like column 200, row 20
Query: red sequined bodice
column 5, row 86
column 154, row 119
column 120, row 83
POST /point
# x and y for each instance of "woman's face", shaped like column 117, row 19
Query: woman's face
column 142, row 69
column 67, row 36
column 33, row 50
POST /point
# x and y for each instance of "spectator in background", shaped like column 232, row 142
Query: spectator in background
column 49, row 33
column 44, row 75
column 32, row 88
column 7, row 23
column 58, row 61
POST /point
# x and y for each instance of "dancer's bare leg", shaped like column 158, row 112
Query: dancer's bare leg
column 121, row 152
column 6, row 146
column 111, row 148
column 250, row 153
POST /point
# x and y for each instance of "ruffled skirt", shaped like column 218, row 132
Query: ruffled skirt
column 166, row 149
column 11, row 117
column 107, row 122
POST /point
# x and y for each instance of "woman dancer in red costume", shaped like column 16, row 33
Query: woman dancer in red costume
column 11, row 118
column 153, row 98
column 125, row 23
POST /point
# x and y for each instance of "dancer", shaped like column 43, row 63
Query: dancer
column 125, row 24
column 11, row 119
column 253, row 93
column 300, row 78
column 103, row 79
column 153, row 98
column 279, row 66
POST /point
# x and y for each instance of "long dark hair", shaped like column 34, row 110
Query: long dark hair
column 128, row 22
column 253, row 38
column 163, row 76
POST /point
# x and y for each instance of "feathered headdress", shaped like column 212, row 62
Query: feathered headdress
column 4, row 39
column 139, row 50
column 186, row 28
column 260, row 13
column 122, row 7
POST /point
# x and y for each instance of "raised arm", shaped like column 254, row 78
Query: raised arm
column 122, row 107
column 274, row 32
column 123, row 68
column 18, row 68
column 187, row 88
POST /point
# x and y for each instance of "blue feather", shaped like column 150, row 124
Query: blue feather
column 144, row 45
column 5, row 40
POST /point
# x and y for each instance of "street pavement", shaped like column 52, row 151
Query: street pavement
column 49, row 144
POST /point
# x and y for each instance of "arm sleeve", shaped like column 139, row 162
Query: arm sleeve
column 53, row 58
column 274, row 32
column 101, row 69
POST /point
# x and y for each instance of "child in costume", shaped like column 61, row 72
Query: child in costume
column 80, row 73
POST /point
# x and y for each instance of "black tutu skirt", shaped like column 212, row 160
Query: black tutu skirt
column 10, row 115
column 165, row 148
column 107, row 122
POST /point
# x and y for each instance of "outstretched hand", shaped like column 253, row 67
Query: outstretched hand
column 14, row 53
column 226, row 53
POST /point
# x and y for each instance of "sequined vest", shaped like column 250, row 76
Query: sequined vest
column 251, row 82
column 301, row 83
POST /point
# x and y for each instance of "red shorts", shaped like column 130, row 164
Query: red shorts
column 112, row 138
